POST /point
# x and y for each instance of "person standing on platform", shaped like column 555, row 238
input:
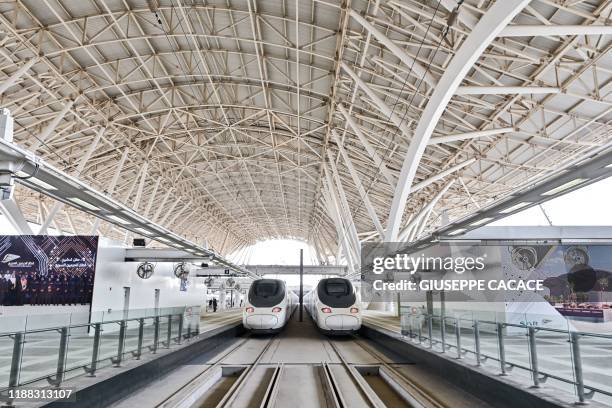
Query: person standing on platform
column 3, row 289
column 18, row 291
column 214, row 301
column 34, row 285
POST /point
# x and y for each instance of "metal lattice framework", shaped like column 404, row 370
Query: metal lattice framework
column 330, row 121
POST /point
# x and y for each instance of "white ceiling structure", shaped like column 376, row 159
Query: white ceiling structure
column 329, row 121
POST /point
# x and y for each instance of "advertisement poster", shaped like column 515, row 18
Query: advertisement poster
column 47, row 270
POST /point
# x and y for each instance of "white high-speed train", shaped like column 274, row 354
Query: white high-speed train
column 334, row 306
column 269, row 306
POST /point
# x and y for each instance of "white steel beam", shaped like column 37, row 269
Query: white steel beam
column 416, row 68
column 412, row 225
column 377, row 100
column 468, row 135
column 10, row 81
column 112, row 185
column 489, row 25
column 362, row 192
column 343, row 243
column 369, row 148
column 13, row 214
column 57, row 206
column 441, row 175
column 345, row 217
column 343, row 200
column 50, row 128
column 506, row 90
column 520, row 30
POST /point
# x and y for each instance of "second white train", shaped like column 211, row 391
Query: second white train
column 334, row 306
column 269, row 306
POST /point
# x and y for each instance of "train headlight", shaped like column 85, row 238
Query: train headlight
column 354, row 310
column 277, row 310
column 250, row 310
column 326, row 310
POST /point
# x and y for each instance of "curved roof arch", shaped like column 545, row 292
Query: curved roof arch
column 262, row 120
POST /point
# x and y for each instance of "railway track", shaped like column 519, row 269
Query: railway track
column 195, row 391
column 268, row 373
column 387, row 388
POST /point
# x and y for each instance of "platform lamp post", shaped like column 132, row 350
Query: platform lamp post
column 301, row 284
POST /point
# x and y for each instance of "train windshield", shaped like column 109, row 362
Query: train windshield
column 266, row 292
column 336, row 292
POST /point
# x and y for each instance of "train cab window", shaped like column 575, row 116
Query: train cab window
column 266, row 292
column 336, row 292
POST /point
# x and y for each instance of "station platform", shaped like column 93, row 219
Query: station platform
column 223, row 365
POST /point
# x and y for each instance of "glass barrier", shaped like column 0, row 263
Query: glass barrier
column 46, row 350
column 537, row 348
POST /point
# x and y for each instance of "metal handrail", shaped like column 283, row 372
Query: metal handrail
column 538, row 376
column 20, row 338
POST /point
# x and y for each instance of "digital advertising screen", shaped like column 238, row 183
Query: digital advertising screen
column 47, row 270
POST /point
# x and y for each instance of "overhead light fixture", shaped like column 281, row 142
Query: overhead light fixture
column 28, row 178
column 481, row 221
column 118, row 219
column 515, row 207
column 609, row 166
column 564, row 187
column 143, row 231
column 161, row 239
column 457, row 231
column 83, row 203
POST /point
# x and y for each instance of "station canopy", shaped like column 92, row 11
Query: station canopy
column 243, row 120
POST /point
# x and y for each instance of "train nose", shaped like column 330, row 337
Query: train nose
column 262, row 321
column 342, row 322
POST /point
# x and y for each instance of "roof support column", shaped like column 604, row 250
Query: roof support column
column 350, row 221
column 13, row 214
column 343, row 239
column 414, row 222
column 10, row 81
column 362, row 192
column 488, row 27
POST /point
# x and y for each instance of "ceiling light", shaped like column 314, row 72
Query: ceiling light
column 83, row 203
column 481, row 221
column 515, row 207
column 29, row 179
column 161, row 239
column 609, row 166
column 564, row 187
column 118, row 219
column 457, row 231
column 143, row 231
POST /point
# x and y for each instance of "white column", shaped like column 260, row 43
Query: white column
column 489, row 25
column 13, row 214
column 362, row 192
